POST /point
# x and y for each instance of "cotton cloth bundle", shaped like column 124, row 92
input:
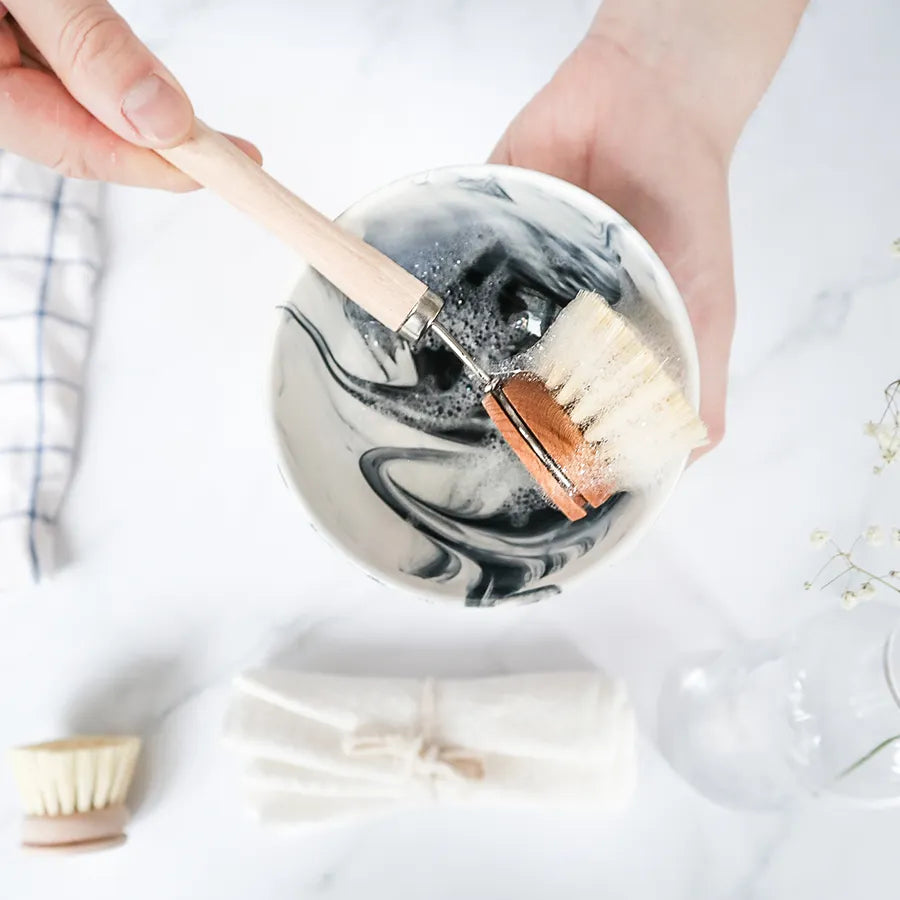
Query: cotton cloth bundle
column 50, row 257
column 326, row 747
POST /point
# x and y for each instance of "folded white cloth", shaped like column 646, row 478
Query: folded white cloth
column 50, row 256
column 324, row 747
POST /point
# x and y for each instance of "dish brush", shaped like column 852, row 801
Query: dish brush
column 601, row 404
column 74, row 791
column 591, row 395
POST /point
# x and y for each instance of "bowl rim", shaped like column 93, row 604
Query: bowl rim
column 579, row 198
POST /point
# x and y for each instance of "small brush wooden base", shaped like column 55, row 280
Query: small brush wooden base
column 98, row 829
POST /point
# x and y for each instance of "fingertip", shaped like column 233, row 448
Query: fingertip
column 176, row 183
column 715, row 432
column 500, row 154
column 247, row 147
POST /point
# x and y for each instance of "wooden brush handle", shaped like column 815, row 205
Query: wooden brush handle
column 368, row 277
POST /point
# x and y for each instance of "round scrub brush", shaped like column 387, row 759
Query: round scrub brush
column 74, row 791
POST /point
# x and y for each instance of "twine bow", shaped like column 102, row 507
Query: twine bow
column 423, row 755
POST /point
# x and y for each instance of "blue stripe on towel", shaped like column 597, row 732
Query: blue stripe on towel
column 46, row 379
column 66, row 320
column 35, row 258
column 34, row 198
column 48, row 448
column 33, row 514
column 26, row 514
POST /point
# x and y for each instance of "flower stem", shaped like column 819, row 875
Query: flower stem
column 869, row 755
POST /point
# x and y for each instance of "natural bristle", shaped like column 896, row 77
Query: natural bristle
column 77, row 775
column 632, row 415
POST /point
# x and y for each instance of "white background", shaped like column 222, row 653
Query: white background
column 190, row 561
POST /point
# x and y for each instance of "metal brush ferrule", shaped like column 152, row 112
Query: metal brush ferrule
column 420, row 317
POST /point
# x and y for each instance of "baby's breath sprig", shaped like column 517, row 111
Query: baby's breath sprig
column 867, row 582
column 886, row 431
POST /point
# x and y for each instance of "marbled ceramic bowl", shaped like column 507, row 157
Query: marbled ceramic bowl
column 390, row 449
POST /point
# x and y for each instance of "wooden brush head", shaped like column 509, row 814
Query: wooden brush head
column 559, row 436
column 85, row 832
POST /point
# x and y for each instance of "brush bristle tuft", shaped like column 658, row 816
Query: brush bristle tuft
column 76, row 775
column 632, row 413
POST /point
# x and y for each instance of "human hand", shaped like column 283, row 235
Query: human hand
column 606, row 123
column 81, row 94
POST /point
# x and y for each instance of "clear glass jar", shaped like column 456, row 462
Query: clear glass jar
column 814, row 713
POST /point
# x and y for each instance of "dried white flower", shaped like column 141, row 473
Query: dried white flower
column 885, row 431
column 895, row 247
column 888, row 436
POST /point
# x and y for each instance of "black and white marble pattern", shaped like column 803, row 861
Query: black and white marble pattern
column 507, row 250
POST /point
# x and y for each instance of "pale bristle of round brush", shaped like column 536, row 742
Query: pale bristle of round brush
column 75, row 775
column 632, row 413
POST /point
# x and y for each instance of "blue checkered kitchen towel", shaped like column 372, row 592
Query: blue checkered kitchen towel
column 50, row 256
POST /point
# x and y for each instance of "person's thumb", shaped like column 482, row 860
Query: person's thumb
column 107, row 69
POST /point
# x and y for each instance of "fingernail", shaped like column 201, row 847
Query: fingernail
column 159, row 113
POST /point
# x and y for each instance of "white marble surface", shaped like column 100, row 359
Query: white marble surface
column 189, row 560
